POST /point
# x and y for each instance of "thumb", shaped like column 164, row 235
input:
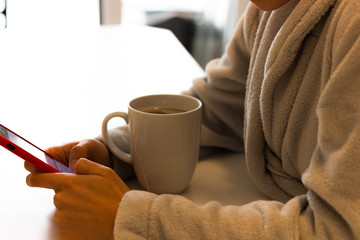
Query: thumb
column 86, row 167
column 78, row 151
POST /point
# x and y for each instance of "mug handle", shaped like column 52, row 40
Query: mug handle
column 109, row 143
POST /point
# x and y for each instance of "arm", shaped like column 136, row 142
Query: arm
column 330, row 208
column 333, row 175
column 223, row 90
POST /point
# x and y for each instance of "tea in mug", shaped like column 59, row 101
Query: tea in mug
column 162, row 110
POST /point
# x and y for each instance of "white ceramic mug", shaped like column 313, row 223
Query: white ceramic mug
column 164, row 146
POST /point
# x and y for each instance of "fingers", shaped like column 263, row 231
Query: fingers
column 78, row 151
column 61, row 152
column 69, row 153
column 90, row 149
column 55, row 181
column 39, row 179
column 30, row 167
column 61, row 181
column 87, row 167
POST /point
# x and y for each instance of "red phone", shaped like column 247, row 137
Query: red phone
column 30, row 153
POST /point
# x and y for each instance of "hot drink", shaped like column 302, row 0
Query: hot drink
column 165, row 137
column 161, row 110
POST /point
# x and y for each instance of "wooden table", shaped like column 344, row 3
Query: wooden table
column 57, row 85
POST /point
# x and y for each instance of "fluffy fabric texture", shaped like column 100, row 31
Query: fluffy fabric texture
column 288, row 94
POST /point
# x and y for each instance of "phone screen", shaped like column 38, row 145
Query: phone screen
column 33, row 150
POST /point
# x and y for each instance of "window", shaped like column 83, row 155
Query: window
column 27, row 14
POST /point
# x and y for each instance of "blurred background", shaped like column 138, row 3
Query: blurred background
column 2, row 14
column 203, row 26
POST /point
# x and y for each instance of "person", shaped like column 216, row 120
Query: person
column 286, row 92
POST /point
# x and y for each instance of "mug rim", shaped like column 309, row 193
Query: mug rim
column 199, row 104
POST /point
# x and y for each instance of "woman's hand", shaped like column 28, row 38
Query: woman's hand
column 86, row 202
column 91, row 149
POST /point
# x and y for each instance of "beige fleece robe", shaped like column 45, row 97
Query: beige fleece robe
column 288, row 94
